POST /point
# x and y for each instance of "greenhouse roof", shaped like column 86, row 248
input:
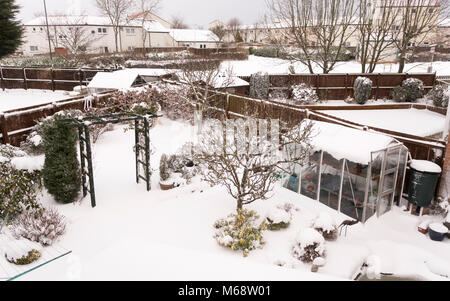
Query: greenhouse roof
column 352, row 144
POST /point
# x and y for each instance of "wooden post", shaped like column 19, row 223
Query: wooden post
column 81, row 77
column 318, row 85
column 4, row 128
column 346, row 85
column 53, row 79
column 378, row 86
column 25, row 79
column 227, row 108
column 2, row 84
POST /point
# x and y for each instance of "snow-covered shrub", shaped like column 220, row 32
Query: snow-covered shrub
column 62, row 174
column 240, row 231
column 18, row 187
column 172, row 99
column 259, row 85
column 399, row 94
column 309, row 245
column 413, row 88
column 278, row 219
column 326, row 225
column 266, row 52
column 33, row 145
column 164, row 171
column 288, row 207
column 363, row 89
column 439, row 95
column 280, row 95
column 23, row 259
column 303, row 94
column 41, row 225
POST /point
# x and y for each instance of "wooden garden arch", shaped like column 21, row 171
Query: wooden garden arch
column 142, row 146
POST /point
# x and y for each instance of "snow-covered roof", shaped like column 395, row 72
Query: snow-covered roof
column 352, row 144
column 75, row 20
column 155, row 26
column 229, row 82
column 121, row 79
column 193, row 35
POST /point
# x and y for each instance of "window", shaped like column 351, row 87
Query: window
column 34, row 29
column 430, row 11
column 93, row 31
column 33, row 48
column 101, row 30
column 130, row 31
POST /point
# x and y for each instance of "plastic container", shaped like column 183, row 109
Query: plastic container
column 437, row 231
column 423, row 182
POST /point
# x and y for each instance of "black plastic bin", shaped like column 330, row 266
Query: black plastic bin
column 422, row 186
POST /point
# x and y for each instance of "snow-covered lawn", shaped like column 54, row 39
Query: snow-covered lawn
column 256, row 64
column 409, row 121
column 133, row 234
column 11, row 99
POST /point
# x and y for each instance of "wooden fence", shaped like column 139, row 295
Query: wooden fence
column 15, row 125
column 340, row 86
column 45, row 78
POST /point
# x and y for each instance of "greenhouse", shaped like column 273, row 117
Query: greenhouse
column 358, row 173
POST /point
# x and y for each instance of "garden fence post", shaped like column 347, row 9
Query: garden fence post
column 53, row 79
column 378, row 86
column 4, row 128
column 24, row 72
column 2, row 79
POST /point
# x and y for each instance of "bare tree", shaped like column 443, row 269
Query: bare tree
column 116, row 11
column 235, row 156
column 147, row 7
column 204, row 77
column 220, row 31
column 74, row 35
column 178, row 23
column 234, row 26
column 376, row 36
column 415, row 20
column 320, row 29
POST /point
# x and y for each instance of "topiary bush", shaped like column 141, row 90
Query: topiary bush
column 278, row 219
column 399, row 94
column 259, row 85
column 440, row 96
column 240, row 231
column 303, row 94
column 309, row 245
column 62, row 174
column 326, row 225
column 19, row 188
column 413, row 88
column 363, row 89
column 164, row 171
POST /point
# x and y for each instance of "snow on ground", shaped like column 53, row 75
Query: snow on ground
column 278, row 66
column 11, row 99
column 168, row 235
column 408, row 121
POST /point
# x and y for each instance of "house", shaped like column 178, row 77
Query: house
column 190, row 38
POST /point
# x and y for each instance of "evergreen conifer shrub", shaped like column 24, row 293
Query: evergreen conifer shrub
column 62, row 174
column 11, row 32
column 363, row 89
column 259, row 85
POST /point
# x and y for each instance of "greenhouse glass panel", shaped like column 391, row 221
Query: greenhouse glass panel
column 310, row 176
column 330, row 181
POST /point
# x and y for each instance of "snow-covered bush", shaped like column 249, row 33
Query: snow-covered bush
column 278, row 219
column 363, row 89
column 259, row 85
column 62, row 174
column 164, row 172
column 280, row 95
column 399, row 94
column 34, row 145
column 439, row 95
column 23, row 259
column 303, row 94
column 413, row 88
column 171, row 98
column 309, row 245
column 18, row 187
column 41, row 225
column 265, row 52
column 288, row 207
column 240, row 231
column 326, row 225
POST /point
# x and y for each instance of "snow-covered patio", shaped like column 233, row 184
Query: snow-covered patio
column 168, row 235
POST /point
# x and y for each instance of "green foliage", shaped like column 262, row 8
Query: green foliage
column 276, row 226
column 363, row 89
column 240, row 231
column 413, row 88
column 439, row 96
column 399, row 94
column 18, row 188
column 62, row 174
column 259, row 85
column 266, row 51
column 31, row 257
column 11, row 32
column 40, row 61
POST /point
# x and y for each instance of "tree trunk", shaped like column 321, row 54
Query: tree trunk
column 239, row 204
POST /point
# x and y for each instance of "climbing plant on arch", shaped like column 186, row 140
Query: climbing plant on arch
column 142, row 146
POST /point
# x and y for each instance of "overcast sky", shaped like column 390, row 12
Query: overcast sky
column 194, row 12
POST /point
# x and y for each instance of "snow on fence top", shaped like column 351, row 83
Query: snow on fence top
column 347, row 143
column 425, row 166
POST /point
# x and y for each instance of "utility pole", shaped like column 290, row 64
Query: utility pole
column 48, row 33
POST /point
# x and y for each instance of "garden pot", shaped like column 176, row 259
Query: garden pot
column 437, row 231
column 422, row 230
column 166, row 186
